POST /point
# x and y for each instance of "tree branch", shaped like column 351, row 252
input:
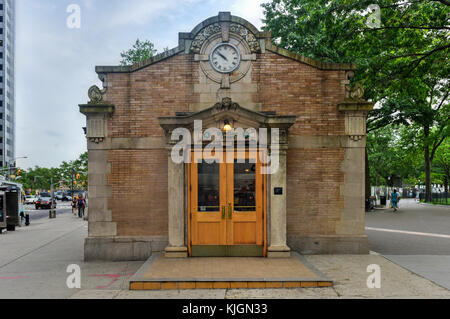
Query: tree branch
column 409, row 27
column 447, row 3
column 435, row 147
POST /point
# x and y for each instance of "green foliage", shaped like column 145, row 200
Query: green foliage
column 403, row 65
column 393, row 152
column 39, row 178
column 441, row 165
column 141, row 50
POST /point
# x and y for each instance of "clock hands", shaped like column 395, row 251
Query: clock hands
column 224, row 57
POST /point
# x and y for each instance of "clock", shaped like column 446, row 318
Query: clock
column 225, row 58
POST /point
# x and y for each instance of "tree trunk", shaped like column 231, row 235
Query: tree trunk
column 368, row 192
column 426, row 130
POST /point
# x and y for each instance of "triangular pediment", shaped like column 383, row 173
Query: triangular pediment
column 227, row 111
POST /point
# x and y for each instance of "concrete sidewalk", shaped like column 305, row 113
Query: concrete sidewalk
column 34, row 260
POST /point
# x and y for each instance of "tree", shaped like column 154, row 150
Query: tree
column 403, row 61
column 442, row 164
column 40, row 177
column 139, row 52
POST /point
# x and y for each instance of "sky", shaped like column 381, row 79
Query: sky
column 55, row 64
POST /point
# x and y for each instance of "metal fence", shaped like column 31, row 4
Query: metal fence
column 438, row 198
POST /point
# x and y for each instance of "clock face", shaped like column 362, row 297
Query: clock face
column 225, row 58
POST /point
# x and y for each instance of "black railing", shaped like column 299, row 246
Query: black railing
column 437, row 198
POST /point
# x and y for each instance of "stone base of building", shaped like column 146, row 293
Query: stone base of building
column 278, row 252
column 317, row 245
column 122, row 248
column 176, row 252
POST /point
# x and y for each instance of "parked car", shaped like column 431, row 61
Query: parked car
column 30, row 199
column 45, row 201
column 59, row 195
column 66, row 197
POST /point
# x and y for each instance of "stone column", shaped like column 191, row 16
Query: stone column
column 177, row 247
column 278, row 247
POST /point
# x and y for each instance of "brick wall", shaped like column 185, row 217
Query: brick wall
column 139, row 192
column 293, row 88
column 141, row 97
column 314, row 203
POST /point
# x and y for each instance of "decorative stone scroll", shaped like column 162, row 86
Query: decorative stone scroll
column 97, row 111
column 355, row 108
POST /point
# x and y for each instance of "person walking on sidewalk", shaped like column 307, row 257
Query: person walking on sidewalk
column 395, row 197
column 81, row 203
column 74, row 206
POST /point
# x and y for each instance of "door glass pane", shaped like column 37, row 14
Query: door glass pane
column 208, row 187
column 244, row 187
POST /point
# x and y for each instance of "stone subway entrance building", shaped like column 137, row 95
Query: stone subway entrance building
column 228, row 75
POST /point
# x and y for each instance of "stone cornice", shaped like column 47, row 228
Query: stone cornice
column 355, row 105
column 96, row 108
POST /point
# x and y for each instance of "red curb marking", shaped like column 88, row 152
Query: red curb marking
column 12, row 278
column 114, row 278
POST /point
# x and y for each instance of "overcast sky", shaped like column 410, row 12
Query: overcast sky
column 55, row 64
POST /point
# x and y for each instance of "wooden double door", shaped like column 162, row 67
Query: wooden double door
column 227, row 206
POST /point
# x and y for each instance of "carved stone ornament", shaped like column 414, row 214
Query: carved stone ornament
column 245, row 33
column 96, row 140
column 226, row 105
column 96, row 95
column 355, row 92
column 203, row 35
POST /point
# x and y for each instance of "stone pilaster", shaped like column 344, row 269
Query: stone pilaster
column 278, row 239
column 177, row 247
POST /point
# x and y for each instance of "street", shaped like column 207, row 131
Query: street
column 35, row 214
column 416, row 237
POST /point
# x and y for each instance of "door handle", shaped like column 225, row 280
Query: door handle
column 230, row 211
column 223, row 212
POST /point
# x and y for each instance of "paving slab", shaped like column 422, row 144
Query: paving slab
column 349, row 273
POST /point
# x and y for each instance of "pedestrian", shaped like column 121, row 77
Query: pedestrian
column 81, row 203
column 395, row 197
column 22, row 217
column 74, row 206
